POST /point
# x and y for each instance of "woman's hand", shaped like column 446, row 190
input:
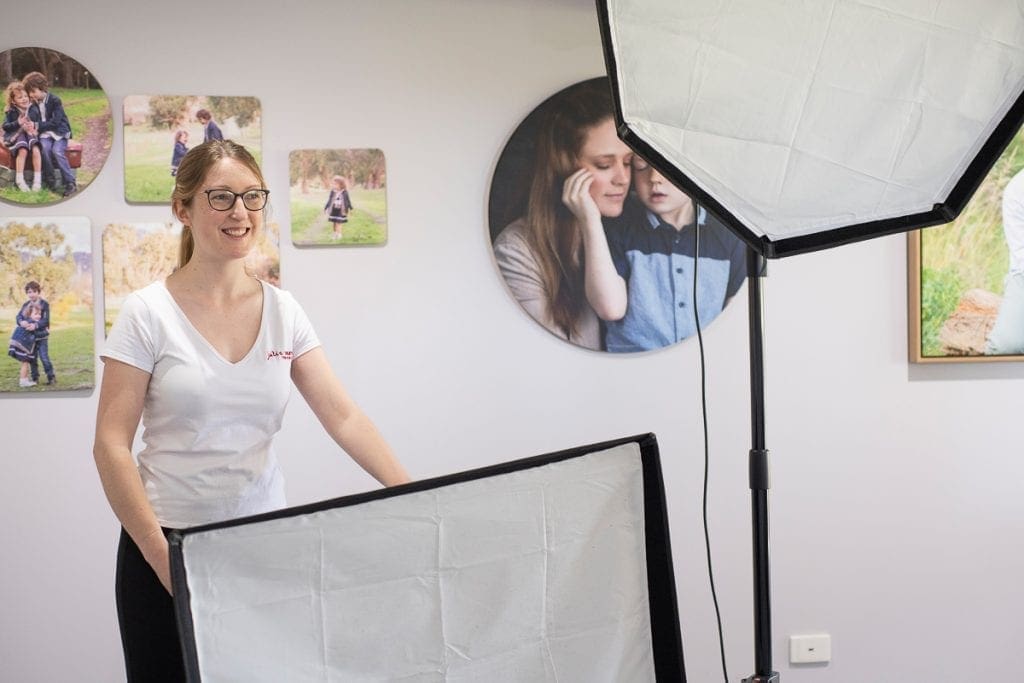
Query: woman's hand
column 156, row 551
column 576, row 197
column 604, row 287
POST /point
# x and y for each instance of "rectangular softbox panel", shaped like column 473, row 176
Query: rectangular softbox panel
column 553, row 568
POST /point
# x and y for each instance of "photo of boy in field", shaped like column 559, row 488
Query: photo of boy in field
column 157, row 130
column 46, row 306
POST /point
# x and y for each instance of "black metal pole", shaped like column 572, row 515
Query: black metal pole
column 759, row 480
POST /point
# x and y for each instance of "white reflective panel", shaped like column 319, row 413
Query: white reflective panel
column 536, row 575
column 802, row 116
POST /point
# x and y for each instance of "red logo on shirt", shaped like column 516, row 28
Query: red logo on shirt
column 285, row 355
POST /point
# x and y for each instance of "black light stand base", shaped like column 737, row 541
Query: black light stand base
column 773, row 677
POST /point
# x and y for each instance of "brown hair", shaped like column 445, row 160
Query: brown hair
column 551, row 231
column 179, row 133
column 192, row 172
column 35, row 81
column 203, row 115
column 31, row 306
column 13, row 87
column 33, row 286
column 341, row 181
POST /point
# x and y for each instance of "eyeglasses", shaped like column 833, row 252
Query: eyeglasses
column 224, row 200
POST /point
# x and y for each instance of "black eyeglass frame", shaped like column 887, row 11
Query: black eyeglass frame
column 238, row 195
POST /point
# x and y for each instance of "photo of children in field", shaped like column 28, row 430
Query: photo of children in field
column 338, row 197
column 57, row 126
column 137, row 254
column 158, row 130
column 971, row 272
column 46, row 307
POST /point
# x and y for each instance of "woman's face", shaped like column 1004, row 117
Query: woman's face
column 608, row 159
column 223, row 235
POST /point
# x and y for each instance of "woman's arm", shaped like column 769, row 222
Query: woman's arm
column 122, row 395
column 605, row 288
column 346, row 423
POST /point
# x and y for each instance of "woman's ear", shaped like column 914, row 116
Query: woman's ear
column 180, row 212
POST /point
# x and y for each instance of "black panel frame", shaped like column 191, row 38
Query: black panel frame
column 666, row 636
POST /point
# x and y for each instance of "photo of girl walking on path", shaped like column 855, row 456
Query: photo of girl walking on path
column 353, row 182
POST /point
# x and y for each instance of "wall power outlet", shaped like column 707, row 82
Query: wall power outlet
column 810, row 649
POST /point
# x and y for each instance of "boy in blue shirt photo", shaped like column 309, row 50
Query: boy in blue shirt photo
column 641, row 284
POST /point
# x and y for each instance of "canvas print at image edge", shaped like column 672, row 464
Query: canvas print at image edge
column 46, row 304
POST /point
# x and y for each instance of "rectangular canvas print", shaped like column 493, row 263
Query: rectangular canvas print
column 551, row 568
column 160, row 129
column 338, row 197
column 137, row 254
column 966, row 278
column 46, row 306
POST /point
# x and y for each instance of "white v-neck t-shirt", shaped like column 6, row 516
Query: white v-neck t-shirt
column 208, row 424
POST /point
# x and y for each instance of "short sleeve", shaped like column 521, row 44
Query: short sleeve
column 131, row 337
column 304, row 336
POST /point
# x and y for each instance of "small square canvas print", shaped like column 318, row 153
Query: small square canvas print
column 138, row 254
column 160, row 129
column 46, row 306
column 338, row 197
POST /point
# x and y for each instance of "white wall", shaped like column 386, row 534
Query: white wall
column 896, row 516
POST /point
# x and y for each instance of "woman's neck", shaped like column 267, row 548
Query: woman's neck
column 214, row 280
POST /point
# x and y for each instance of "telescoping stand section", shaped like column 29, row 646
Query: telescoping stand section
column 552, row 568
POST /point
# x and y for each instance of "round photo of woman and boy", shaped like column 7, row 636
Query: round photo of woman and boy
column 57, row 128
column 593, row 242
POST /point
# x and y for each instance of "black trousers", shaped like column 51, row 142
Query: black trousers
column 145, row 612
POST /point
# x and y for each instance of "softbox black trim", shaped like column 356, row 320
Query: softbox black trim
column 666, row 637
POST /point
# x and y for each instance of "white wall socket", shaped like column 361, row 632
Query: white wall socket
column 810, row 649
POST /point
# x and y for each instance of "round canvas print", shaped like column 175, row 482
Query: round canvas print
column 57, row 128
column 595, row 244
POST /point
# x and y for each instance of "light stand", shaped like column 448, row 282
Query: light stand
column 774, row 122
column 759, row 476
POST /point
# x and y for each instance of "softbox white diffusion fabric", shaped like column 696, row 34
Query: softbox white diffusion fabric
column 810, row 123
column 554, row 568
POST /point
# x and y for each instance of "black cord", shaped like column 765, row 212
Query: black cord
column 704, row 415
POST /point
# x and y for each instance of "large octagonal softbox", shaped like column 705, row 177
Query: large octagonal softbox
column 554, row 568
column 809, row 124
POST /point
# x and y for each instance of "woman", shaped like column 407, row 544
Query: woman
column 206, row 358
column 541, row 255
